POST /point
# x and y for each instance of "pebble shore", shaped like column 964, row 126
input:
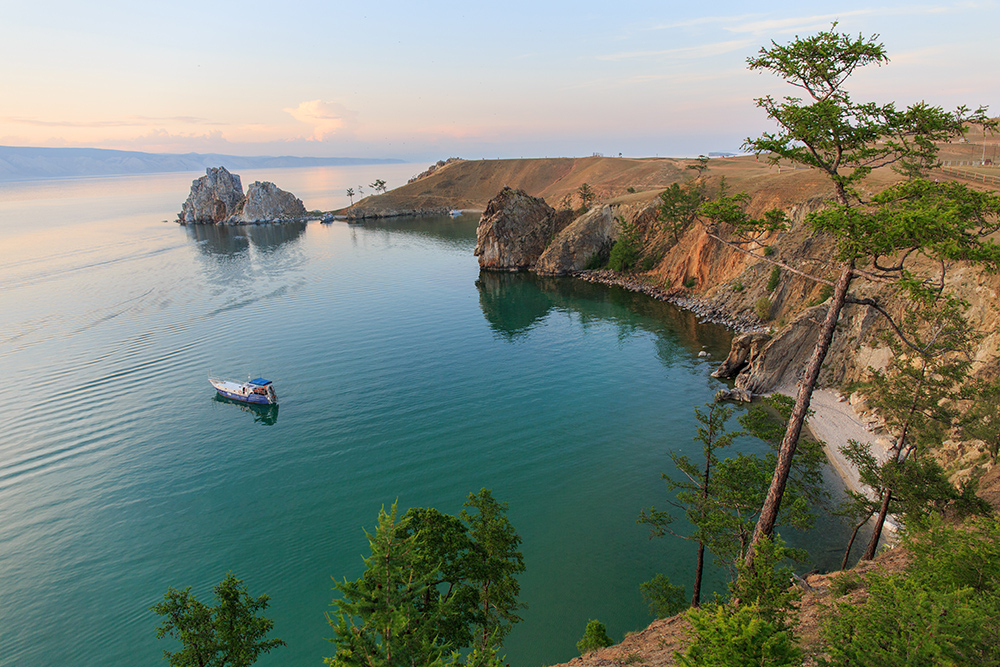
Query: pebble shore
column 678, row 296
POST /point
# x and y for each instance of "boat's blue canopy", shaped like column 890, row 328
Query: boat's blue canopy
column 260, row 382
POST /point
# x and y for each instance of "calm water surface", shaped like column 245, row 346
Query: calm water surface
column 403, row 373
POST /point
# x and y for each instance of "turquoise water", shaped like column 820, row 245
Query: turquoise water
column 403, row 373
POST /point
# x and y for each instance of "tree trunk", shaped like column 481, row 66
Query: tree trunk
column 772, row 503
column 850, row 543
column 696, row 594
column 879, row 522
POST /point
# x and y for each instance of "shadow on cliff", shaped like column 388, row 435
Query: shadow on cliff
column 514, row 303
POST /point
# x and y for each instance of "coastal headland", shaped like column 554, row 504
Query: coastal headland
column 535, row 217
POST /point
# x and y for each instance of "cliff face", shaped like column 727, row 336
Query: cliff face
column 514, row 231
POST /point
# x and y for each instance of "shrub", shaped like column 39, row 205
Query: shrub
column 775, row 278
column 726, row 635
column 763, row 308
column 664, row 599
column 594, row 637
column 690, row 282
column 844, row 583
column 630, row 190
column 943, row 610
column 625, row 251
column 768, row 251
column 738, row 287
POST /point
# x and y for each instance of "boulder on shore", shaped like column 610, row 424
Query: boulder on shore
column 514, row 230
column 266, row 202
column 213, row 199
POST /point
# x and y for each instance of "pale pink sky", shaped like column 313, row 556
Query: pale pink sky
column 394, row 79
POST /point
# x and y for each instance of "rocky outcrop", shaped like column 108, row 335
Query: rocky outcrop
column 744, row 350
column 514, row 230
column 590, row 235
column 214, row 198
column 782, row 360
column 217, row 198
column 266, row 202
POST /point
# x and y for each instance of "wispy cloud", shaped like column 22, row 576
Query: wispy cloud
column 699, row 51
column 128, row 121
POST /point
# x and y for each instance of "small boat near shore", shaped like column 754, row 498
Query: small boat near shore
column 258, row 391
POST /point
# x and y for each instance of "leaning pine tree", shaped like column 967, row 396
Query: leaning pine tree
column 876, row 240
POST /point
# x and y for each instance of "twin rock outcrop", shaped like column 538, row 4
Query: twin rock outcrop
column 519, row 232
column 217, row 198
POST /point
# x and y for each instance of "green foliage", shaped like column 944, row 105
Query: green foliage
column 230, row 633
column 738, row 287
column 944, row 610
column 737, row 636
column 845, row 582
column 594, row 637
column 587, row 195
column 690, row 282
column 982, row 419
column 765, row 584
column 774, row 279
column 763, row 308
column 768, row 250
column 630, row 190
column 350, row 195
column 679, row 207
column 664, row 599
column 649, row 261
column 625, row 251
column 596, row 261
column 378, row 186
column 435, row 584
column 831, row 132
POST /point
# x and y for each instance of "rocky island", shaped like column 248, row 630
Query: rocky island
column 217, row 199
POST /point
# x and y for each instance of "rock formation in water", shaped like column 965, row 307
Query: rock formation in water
column 590, row 235
column 213, row 199
column 217, row 198
column 514, row 231
column 266, row 202
column 744, row 350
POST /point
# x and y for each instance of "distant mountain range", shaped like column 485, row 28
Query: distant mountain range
column 22, row 163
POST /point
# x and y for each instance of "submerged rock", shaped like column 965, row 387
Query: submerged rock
column 514, row 230
column 266, row 202
column 214, row 198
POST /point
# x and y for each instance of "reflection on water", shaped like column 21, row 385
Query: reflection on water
column 264, row 414
column 233, row 239
column 512, row 302
column 453, row 231
column 516, row 302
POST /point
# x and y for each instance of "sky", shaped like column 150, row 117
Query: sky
column 431, row 80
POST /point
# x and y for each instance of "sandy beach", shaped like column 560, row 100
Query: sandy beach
column 835, row 423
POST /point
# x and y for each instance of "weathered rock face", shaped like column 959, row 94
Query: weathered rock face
column 514, row 230
column 214, row 197
column 593, row 233
column 782, row 360
column 744, row 350
column 266, row 202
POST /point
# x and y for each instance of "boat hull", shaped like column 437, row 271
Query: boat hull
column 245, row 392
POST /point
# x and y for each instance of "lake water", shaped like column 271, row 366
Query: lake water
column 403, row 373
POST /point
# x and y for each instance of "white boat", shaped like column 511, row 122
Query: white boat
column 258, row 391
